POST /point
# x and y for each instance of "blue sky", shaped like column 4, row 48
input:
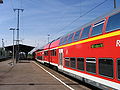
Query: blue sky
column 43, row 17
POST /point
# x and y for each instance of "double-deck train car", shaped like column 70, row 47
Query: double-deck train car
column 90, row 54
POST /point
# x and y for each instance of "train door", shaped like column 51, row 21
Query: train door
column 60, row 58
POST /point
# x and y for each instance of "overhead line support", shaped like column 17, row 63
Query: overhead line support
column 17, row 41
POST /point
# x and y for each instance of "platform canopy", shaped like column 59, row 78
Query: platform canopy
column 22, row 48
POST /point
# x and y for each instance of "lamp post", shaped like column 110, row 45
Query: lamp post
column 13, row 29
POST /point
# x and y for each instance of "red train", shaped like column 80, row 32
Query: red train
column 90, row 54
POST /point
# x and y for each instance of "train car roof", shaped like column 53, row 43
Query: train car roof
column 94, row 21
column 54, row 44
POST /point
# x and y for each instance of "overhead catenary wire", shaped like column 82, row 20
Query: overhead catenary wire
column 63, row 28
column 64, row 15
column 81, row 16
column 57, row 24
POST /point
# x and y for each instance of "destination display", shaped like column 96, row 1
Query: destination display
column 97, row 45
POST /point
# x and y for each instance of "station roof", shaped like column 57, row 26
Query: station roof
column 22, row 48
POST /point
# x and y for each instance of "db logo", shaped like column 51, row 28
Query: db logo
column 117, row 43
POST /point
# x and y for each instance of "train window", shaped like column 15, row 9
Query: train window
column 85, row 32
column 73, row 62
column 97, row 28
column 76, row 37
column 61, row 41
column 46, row 53
column 80, row 64
column 106, row 67
column 70, row 38
column 118, row 68
column 113, row 23
column 53, row 52
column 65, row 40
column 67, row 62
column 91, row 65
column 39, row 57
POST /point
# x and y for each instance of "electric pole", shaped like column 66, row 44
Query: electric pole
column 17, row 41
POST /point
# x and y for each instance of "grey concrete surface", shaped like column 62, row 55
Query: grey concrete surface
column 27, row 76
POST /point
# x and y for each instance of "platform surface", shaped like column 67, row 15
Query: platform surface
column 27, row 75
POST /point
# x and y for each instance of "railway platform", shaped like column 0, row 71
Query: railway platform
column 29, row 75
